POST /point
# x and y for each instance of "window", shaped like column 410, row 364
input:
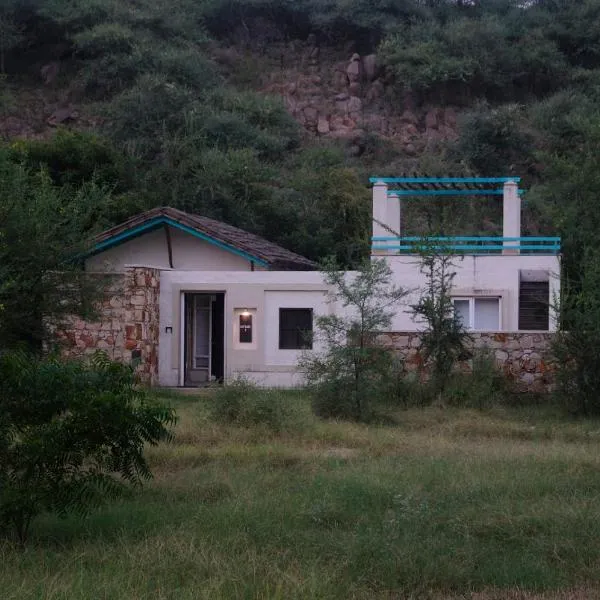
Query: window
column 479, row 314
column 295, row 328
column 534, row 305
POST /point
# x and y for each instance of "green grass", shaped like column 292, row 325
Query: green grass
column 443, row 504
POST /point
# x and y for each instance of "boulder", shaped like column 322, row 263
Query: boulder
column 375, row 91
column 62, row 115
column 369, row 64
column 354, row 88
column 323, row 126
column 354, row 70
column 432, row 119
column 354, row 106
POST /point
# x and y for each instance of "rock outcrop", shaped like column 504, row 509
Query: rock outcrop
column 346, row 99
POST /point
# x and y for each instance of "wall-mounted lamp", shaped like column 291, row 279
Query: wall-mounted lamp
column 168, row 330
column 245, row 327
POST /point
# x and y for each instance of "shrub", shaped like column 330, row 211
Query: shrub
column 70, row 434
column 485, row 386
column 243, row 404
column 444, row 339
column 351, row 370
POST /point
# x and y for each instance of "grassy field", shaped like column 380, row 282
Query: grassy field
column 442, row 504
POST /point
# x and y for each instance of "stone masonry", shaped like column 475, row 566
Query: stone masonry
column 128, row 328
column 524, row 358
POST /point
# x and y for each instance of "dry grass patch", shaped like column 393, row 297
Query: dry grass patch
column 443, row 504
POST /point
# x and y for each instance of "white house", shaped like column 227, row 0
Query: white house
column 200, row 300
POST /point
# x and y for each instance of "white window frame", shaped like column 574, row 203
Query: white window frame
column 471, row 300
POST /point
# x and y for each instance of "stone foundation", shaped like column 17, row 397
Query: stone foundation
column 128, row 327
column 524, row 358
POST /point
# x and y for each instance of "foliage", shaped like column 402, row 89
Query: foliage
column 243, row 404
column 444, row 339
column 43, row 231
column 348, row 366
column 70, row 432
column 495, row 141
column 484, row 387
column 466, row 58
column 574, row 347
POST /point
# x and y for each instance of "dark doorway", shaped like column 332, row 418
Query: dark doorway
column 204, row 338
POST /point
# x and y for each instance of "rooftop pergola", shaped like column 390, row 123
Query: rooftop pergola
column 386, row 216
column 446, row 186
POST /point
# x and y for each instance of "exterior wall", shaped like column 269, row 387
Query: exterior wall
column 142, row 312
column 496, row 276
column 524, row 358
column 129, row 323
column 260, row 292
column 151, row 248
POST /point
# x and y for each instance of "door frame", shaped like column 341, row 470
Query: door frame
column 185, row 297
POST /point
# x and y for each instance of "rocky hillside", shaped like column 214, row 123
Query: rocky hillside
column 338, row 94
column 332, row 93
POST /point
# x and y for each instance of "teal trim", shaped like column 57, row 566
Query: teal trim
column 424, row 240
column 487, row 245
column 444, row 179
column 160, row 221
column 126, row 235
column 448, row 192
column 217, row 243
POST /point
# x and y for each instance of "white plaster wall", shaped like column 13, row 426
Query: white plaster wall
column 189, row 253
column 264, row 292
column 493, row 276
column 242, row 290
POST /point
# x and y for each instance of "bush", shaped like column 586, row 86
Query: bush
column 243, row 404
column 70, row 434
column 485, row 386
column 352, row 369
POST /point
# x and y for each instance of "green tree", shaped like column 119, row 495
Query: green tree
column 350, row 371
column 43, row 231
column 71, row 433
column 444, row 339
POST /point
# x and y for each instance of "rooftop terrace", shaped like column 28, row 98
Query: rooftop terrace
column 388, row 193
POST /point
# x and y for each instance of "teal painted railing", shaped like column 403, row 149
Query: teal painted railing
column 461, row 192
column 468, row 245
column 444, row 179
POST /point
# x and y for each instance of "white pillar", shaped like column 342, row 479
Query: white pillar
column 393, row 215
column 511, row 215
column 380, row 202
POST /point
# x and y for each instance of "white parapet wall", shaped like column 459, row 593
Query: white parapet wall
column 493, row 276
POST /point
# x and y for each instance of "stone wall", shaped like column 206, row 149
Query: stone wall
column 128, row 325
column 524, row 358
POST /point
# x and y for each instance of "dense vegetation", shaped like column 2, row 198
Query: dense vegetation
column 165, row 122
column 174, row 127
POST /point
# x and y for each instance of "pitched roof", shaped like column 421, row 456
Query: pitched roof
column 238, row 241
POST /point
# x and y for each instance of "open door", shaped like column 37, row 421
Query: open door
column 204, row 338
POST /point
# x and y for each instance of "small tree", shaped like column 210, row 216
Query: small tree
column 576, row 344
column 353, row 364
column 444, row 340
column 43, row 229
column 70, row 434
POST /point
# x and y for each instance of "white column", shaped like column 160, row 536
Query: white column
column 394, row 215
column 380, row 202
column 511, row 215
